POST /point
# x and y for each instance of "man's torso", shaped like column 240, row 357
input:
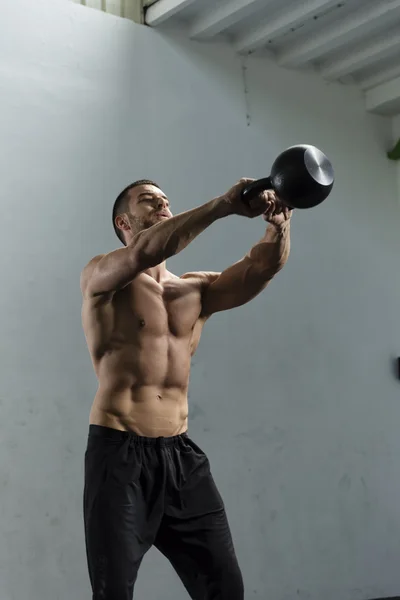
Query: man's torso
column 141, row 341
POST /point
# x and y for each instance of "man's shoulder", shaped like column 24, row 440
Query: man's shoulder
column 88, row 270
column 93, row 262
column 202, row 277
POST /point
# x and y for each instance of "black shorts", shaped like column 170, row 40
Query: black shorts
column 141, row 492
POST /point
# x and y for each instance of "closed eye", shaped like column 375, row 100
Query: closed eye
column 149, row 197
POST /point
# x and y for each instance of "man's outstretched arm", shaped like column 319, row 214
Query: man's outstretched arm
column 107, row 274
column 247, row 278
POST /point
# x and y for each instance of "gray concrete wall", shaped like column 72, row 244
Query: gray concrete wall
column 396, row 137
column 292, row 396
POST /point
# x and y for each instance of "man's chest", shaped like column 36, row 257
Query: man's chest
column 172, row 307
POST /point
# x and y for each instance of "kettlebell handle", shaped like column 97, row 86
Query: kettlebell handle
column 255, row 188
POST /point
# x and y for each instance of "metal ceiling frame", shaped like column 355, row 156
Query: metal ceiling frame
column 381, row 88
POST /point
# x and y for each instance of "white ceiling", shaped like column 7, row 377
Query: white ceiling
column 350, row 41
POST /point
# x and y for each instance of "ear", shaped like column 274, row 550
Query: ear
column 122, row 223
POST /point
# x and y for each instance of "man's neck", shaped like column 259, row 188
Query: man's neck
column 158, row 273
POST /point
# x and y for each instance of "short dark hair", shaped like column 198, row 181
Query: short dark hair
column 121, row 204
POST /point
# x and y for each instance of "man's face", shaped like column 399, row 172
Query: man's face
column 148, row 205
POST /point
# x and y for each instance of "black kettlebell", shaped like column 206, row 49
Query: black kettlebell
column 302, row 177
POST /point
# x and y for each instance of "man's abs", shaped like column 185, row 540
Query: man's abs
column 144, row 390
column 148, row 411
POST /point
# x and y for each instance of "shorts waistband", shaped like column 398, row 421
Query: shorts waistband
column 115, row 434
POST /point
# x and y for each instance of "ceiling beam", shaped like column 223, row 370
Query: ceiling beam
column 379, row 77
column 161, row 11
column 361, row 23
column 220, row 18
column 384, row 99
column 359, row 59
column 282, row 23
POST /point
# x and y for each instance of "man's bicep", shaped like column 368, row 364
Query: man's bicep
column 234, row 287
column 217, row 295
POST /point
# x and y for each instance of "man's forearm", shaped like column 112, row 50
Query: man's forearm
column 169, row 237
column 272, row 251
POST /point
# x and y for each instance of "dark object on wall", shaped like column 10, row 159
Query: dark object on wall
column 302, row 177
column 395, row 153
column 398, row 377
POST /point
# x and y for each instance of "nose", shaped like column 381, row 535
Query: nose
column 162, row 203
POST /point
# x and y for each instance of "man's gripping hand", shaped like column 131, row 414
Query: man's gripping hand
column 235, row 205
column 277, row 213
